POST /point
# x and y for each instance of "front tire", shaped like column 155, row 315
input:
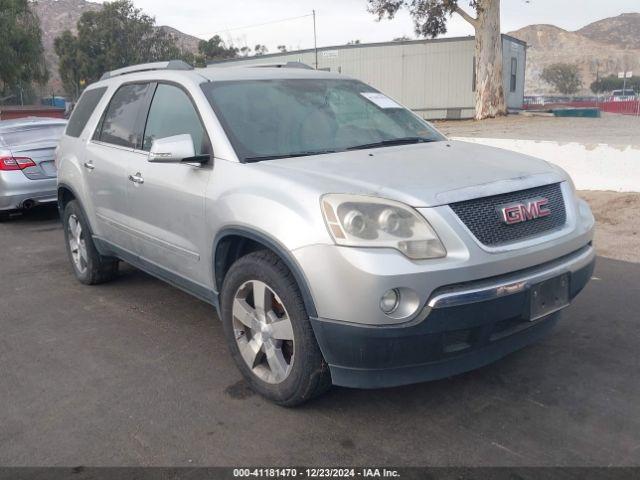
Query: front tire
column 89, row 266
column 268, row 331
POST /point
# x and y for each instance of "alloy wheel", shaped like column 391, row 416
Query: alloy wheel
column 77, row 244
column 263, row 331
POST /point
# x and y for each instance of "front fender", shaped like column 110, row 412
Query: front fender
column 274, row 245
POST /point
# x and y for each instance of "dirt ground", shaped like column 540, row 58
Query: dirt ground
column 618, row 224
column 617, row 214
column 610, row 129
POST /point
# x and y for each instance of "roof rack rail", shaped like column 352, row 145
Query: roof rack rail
column 283, row 65
column 148, row 67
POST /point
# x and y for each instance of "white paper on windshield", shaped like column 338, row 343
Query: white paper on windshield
column 380, row 99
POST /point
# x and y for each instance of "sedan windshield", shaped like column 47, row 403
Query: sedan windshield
column 270, row 119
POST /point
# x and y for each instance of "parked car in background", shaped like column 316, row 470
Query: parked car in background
column 27, row 166
column 342, row 238
column 623, row 95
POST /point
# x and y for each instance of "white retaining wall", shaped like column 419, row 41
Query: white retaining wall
column 592, row 166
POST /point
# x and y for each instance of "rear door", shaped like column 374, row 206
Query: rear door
column 167, row 203
column 109, row 155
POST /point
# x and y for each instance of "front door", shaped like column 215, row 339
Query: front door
column 168, row 200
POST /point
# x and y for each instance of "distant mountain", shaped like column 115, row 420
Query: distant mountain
column 185, row 41
column 56, row 16
column 622, row 31
column 601, row 48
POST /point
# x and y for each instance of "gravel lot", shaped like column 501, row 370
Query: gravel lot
column 618, row 214
column 135, row 372
column 610, row 129
column 618, row 217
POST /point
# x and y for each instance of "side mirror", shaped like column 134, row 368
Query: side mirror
column 175, row 149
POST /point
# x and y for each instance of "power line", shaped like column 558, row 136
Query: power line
column 256, row 25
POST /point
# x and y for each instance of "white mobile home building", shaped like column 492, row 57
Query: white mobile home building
column 435, row 78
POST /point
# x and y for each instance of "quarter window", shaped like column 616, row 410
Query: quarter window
column 83, row 110
column 172, row 113
column 120, row 125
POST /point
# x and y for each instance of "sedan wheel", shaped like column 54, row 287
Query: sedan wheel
column 263, row 331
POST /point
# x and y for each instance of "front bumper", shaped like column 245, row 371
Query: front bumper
column 461, row 328
column 16, row 189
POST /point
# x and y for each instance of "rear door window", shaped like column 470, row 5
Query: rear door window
column 121, row 123
column 83, row 110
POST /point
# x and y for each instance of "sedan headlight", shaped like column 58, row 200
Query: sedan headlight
column 362, row 221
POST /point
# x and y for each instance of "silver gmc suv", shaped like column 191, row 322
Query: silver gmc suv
column 340, row 237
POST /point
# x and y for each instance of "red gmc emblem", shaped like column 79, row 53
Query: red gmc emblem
column 524, row 211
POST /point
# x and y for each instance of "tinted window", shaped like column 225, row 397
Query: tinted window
column 83, row 110
column 172, row 113
column 120, row 125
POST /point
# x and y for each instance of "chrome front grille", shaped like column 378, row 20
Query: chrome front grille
column 483, row 219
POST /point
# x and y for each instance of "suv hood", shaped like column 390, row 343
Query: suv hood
column 420, row 175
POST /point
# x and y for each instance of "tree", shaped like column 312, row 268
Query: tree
column 353, row 42
column 116, row 36
column 70, row 62
column 403, row 38
column 260, row 50
column 215, row 49
column 612, row 82
column 21, row 52
column 282, row 48
column 564, row 77
column 430, row 20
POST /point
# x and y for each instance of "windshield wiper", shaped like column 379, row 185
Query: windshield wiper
column 287, row 155
column 391, row 142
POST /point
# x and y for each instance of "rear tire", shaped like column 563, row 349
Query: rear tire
column 282, row 363
column 89, row 266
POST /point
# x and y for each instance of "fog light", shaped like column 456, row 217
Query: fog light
column 390, row 301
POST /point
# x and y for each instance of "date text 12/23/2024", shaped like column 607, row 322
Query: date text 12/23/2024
column 315, row 473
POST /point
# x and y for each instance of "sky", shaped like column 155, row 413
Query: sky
column 341, row 21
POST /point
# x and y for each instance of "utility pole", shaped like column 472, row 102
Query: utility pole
column 315, row 38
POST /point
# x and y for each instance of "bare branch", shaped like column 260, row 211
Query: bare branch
column 472, row 20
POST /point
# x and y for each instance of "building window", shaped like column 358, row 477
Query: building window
column 473, row 76
column 514, row 73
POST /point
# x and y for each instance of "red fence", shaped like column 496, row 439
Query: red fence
column 624, row 107
column 8, row 112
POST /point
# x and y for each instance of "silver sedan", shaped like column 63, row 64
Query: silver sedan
column 27, row 168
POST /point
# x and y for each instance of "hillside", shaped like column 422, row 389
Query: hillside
column 622, row 31
column 56, row 16
column 185, row 41
column 601, row 48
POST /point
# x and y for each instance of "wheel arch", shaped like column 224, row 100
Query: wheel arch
column 233, row 242
column 65, row 195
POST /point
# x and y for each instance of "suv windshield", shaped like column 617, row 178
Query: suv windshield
column 268, row 119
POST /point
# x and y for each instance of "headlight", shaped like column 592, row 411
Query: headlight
column 362, row 221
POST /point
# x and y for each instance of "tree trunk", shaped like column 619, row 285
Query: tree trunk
column 489, row 87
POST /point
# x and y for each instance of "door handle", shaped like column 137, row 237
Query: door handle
column 89, row 165
column 137, row 178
